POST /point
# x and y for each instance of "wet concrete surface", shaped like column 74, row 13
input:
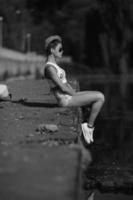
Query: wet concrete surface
column 35, row 165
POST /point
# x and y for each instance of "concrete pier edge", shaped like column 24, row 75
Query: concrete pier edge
column 40, row 165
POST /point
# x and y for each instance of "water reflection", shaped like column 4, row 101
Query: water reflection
column 111, row 196
column 112, row 151
column 114, row 125
column 96, row 195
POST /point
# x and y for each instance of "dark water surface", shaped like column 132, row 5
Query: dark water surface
column 112, row 151
column 111, row 196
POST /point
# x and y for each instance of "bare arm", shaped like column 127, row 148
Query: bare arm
column 68, row 85
column 64, row 87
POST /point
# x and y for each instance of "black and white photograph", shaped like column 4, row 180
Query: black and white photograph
column 66, row 103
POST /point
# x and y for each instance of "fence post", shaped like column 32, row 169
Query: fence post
column 28, row 37
column 1, row 31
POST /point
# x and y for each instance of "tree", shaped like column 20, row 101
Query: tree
column 115, row 18
column 97, row 32
column 16, row 23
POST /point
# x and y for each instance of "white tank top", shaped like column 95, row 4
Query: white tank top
column 60, row 73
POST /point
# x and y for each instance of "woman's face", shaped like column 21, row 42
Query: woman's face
column 58, row 51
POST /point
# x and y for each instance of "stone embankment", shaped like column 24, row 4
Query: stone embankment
column 41, row 156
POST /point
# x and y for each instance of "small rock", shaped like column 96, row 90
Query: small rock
column 21, row 117
column 22, row 100
column 50, row 143
column 47, row 128
column 30, row 135
column 5, row 143
column 73, row 129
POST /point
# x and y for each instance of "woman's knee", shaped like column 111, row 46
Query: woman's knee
column 101, row 97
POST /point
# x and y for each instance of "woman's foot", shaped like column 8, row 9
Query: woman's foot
column 85, row 131
column 90, row 131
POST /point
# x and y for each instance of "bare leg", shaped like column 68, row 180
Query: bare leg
column 87, row 98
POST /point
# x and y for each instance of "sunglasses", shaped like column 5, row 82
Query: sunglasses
column 60, row 49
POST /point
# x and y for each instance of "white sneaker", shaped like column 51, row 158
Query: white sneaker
column 86, row 132
column 90, row 131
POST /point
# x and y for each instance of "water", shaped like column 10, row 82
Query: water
column 96, row 195
column 111, row 196
column 112, row 152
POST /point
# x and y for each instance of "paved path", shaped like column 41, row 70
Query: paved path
column 34, row 165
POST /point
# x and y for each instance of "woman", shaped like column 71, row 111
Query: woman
column 64, row 93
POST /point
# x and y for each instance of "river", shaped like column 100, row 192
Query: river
column 110, row 175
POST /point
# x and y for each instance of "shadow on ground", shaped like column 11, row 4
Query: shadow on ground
column 36, row 104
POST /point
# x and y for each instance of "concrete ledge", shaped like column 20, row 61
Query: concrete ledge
column 39, row 173
column 33, row 165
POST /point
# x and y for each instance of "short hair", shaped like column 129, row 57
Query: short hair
column 51, row 42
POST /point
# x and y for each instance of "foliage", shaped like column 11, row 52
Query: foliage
column 96, row 32
column 16, row 23
column 117, row 17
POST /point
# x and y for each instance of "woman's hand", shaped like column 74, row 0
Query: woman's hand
column 71, row 90
column 64, row 87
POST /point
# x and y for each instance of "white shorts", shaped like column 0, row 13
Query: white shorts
column 63, row 99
